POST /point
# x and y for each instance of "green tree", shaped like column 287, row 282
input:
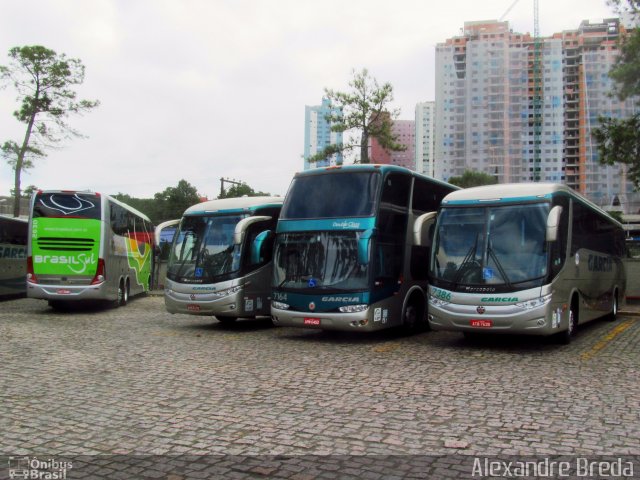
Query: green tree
column 44, row 81
column 241, row 190
column 365, row 110
column 619, row 139
column 173, row 201
column 473, row 179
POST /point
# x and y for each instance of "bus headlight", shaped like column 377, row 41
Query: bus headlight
column 353, row 308
column 437, row 302
column 535, row 303
column 280, row 305
column 228, row 291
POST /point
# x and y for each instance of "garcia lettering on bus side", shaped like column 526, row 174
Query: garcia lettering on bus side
column 597, row 263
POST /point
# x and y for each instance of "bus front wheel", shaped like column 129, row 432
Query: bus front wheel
column 569, row 333
column 413, row 318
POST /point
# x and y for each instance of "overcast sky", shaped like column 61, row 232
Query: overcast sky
column 200, row 89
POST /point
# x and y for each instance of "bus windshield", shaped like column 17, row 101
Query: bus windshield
column 66, row 205
column 204, row 249
column 492, row 245
column 322, row 260
column 332, row 195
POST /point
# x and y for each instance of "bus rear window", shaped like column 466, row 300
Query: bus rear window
column 66, row 205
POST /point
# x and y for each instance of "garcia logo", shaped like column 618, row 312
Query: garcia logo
column 499, row 299
column 340, row 299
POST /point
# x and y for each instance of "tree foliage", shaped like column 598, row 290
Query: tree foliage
column 364, row 109
column 166, row 205
column 473, row 179
column 619, row 139
column 44, row 81
column 241, row 190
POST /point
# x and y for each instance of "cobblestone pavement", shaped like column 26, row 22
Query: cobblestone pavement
column 139, row 381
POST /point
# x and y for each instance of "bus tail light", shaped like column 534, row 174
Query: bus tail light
column 31, row 276
column 100, row 273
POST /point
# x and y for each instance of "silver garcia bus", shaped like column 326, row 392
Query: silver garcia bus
column 220, row 259
column 535, row 259
column 86, row 246
column 348, row 241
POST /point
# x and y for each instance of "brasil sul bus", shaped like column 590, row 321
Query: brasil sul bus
column 535, row 259
column 13, row 256
column 348, row 242
column 220, row 260
column 86, row 246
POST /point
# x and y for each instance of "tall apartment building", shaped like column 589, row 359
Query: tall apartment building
column 485, row 106
column 405, row 133
column 425, row 138
column 318, row 134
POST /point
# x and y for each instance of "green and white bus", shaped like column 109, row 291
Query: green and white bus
column 86, row 246
column 348, row 242
column 535, row 259
column 220, row 260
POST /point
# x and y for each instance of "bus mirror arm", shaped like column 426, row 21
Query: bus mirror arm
column 553, row 222
column 241, row 227
column 364, row 246
column 259, row 244
column 421, row 229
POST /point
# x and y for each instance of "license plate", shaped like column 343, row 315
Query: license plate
column 64, row 291
column 193, row 308
column 482, row 323
column 312, row 321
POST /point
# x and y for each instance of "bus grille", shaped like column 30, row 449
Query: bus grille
column 66, row 244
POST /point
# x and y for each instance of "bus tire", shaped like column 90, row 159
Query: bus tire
column 123, row 294
column 613, row 315
column 567, row 336
column 226, row 320
column 413, row 317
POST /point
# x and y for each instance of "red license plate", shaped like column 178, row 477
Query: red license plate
column 312, row 321
column 482, row 323
column 64, row 291
column 193, row 308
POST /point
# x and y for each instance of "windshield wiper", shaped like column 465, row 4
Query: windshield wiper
column 188, row 233
column 466, row 261
column 493, row 256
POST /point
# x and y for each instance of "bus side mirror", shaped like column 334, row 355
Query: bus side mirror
column 421, row 228
column 553, row 223
column 243, row 225
column 262, row 242
column 364, row 246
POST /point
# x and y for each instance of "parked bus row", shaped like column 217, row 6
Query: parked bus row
column 352, row 251
column 352, row 248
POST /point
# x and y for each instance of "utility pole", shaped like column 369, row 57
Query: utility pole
column 226, row 180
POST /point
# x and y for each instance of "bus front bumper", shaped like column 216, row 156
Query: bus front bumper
column 362, row 321
column 496, row 319
column 226, row 303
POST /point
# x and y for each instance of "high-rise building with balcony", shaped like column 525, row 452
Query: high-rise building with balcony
column 486, row 117
column 318, row 134
column 425, row 137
